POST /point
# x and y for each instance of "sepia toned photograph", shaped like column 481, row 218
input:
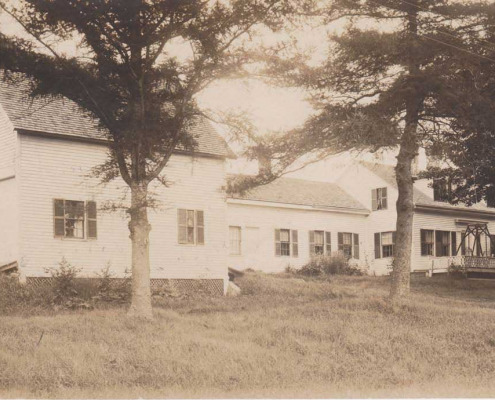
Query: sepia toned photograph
column 247, row 199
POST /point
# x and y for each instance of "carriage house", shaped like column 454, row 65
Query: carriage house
column 52, row 208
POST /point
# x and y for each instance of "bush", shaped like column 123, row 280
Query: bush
column 457, row 271
column 64, row 291
column 335, row 264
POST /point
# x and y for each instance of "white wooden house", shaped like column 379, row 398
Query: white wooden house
column 51, row 207
column 356, row 205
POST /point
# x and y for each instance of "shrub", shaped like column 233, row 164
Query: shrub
column 335, row 264
column 64, row 289
column 457, row 271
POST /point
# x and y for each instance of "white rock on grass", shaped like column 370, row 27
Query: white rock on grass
column 233, row 290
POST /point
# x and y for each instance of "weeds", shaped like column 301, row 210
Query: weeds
column 335, row 264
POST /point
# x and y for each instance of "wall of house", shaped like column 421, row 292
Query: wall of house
column 9, row 221
column 359, row 181
column 443, row 222
column 258, row 224
column 54, row 168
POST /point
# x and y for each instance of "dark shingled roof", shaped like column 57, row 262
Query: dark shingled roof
column 387, row 173
column 303, row 192
column 62, row 116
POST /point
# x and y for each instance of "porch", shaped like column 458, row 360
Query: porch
column 469, row 264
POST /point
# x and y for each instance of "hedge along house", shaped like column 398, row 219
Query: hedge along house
column 286, row 222
column 52, row 208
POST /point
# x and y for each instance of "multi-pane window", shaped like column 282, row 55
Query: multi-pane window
column 235, row 240
column 286, row 242
column 349, row 244
column 379, row 199
column 427, row 242
column 70, row 218
column 439, row 243
column 319, row 243
column 442, row 190
column 384, row 244
column 442, row 243
column 191, row 228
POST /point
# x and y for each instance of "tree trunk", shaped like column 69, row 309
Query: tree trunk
column 140, row 232
column 405, row 214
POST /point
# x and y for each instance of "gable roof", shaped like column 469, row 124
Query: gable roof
column 62, row 117
column 387, row 173
column 303, row 192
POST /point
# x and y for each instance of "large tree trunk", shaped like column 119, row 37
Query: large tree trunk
column 405, row 214
column 140, row 232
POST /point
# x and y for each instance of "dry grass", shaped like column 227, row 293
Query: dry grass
column 283, row 337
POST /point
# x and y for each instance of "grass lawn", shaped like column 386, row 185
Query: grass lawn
column 284, row 337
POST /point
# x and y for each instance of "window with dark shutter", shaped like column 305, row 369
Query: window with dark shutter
column 379, row 199
column 454, row 243
column 92, row 217
column 442, row 243
column 378, row 253
column 182, row 223
column 59, row 218
column 295, row 245
column 191, row 228
column 69, row 218
column 282, row 242
column 311, row 241
column 356, row 246
column 200, row 227
column 427, row 242
column 328, row 243
column 345, row 240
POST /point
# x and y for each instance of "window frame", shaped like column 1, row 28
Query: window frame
column 326, row 245
column 379, row 199
column 453, row 243
column 86, row 219
column 292, row 245
column 354, row 244
column 380, row 247
column 196, row 228
column 239, row 240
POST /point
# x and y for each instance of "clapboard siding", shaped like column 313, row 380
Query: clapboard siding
column 267, row 219
column 7, row 146
column 9, row 222
column 53, row 168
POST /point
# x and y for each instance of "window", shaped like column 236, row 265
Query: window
column 384, row 244
column 379, row 199
column 191, row 226
column 235, row 240
column 283, row 242
column 319, row 243
column 427, row 242
column 442, row 190
column 349, row 244
column 70, row 216
column 442, row 243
